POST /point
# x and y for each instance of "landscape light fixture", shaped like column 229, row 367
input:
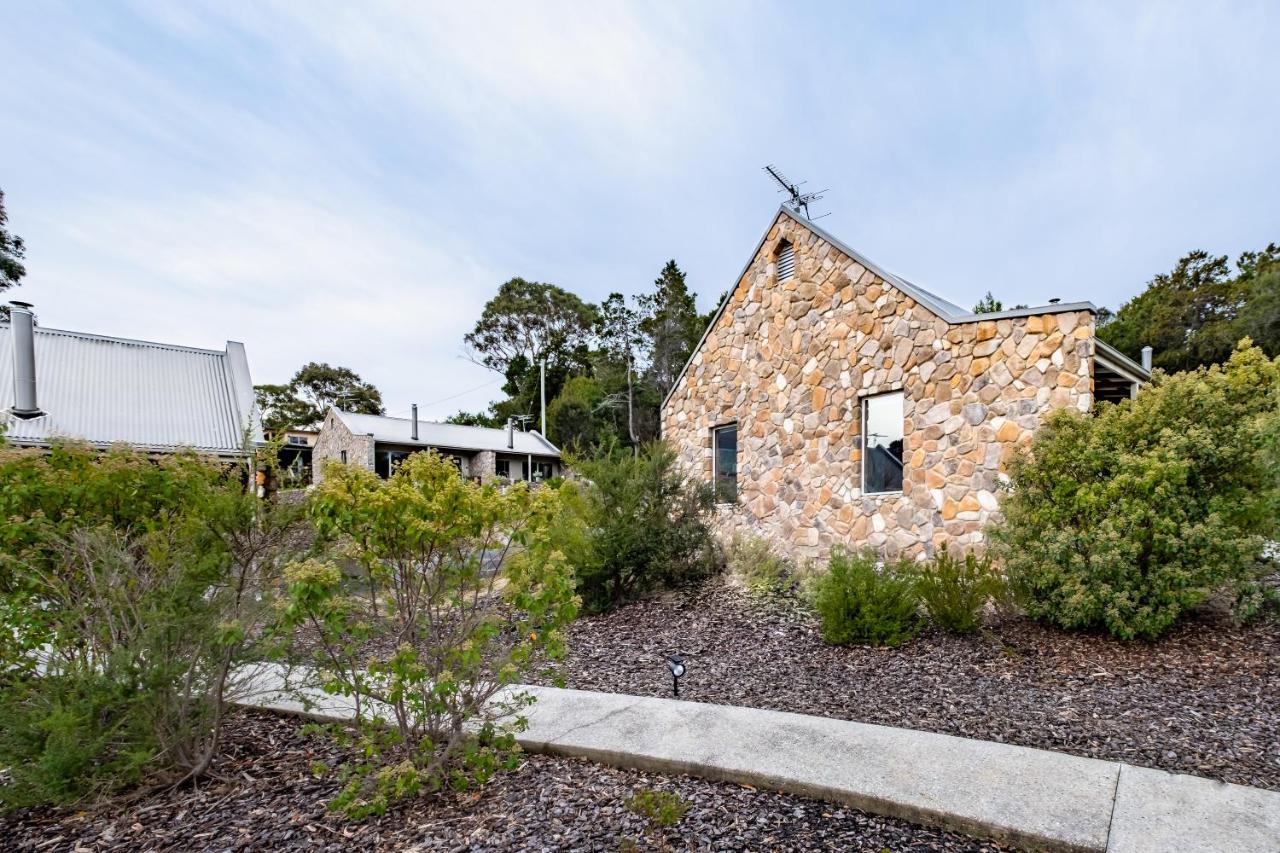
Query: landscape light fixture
column 676, row 664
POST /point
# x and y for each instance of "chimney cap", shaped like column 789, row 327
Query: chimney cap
column 16, row 303
column 1055, row 300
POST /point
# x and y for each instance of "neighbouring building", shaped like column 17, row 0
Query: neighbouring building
column 157, row 398
column 294, row 456
column 832, row 403
column 381, row 443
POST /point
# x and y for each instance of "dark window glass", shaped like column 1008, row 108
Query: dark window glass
column 882, row 443
column 502, row 468
column 342, row 456
column 725, row 482
column 541, row 471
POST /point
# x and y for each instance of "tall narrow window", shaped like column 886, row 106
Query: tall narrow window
column 882, row 443
column 786, row 261
column 725, row 481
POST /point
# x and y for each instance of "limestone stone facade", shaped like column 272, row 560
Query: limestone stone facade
column 789, row 363
column 335, row 439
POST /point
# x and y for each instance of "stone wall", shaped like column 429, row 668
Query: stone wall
column 789, row 362
column 333, row 439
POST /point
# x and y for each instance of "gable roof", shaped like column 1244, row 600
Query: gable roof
column 153, row 396
column 447, row 436
column 949, row 311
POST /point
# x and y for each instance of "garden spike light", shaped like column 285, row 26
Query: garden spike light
column 676, row 665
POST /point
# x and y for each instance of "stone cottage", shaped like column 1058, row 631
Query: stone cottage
column 380, row 444
column 833, row 403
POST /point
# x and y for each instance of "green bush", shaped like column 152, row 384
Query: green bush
column 132, row 588
column 754, row 562
column 860, row 601
column 954, row 590
column 661, row 808
column 1125, row 520
column 468, row 590
column 649, row 526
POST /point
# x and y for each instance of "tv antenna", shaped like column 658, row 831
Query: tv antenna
column 798, row 201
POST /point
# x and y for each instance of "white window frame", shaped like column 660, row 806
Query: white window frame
column 866, row 400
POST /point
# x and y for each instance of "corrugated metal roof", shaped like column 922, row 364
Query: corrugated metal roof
column 451, row 436
column 153, row 396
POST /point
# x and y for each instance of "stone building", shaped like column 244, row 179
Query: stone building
column 380, row 443
column 833, row 403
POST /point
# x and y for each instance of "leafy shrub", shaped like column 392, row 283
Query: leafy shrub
column 1125, row 520
column 649, row 525
column 954, row 590
column 467, row 592
column 132, row 588
column 755, row 563
column 858, row 601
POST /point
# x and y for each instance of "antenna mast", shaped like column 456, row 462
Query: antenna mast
column 798, row 201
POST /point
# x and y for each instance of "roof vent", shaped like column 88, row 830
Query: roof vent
column 22, row 322
column 786, row 261
column 1054, row 301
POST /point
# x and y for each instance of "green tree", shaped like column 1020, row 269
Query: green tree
column 302, row 403
column 12, row 251
column 618, row 330
column 526, row 322
column 988, row 305
column 579, row 416
column 480, row 419
column 1195, row 314
column 670, row 321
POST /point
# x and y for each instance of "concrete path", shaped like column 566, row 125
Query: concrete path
column 1030, row 797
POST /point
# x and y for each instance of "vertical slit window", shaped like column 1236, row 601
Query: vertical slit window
column 786, row 261
column 882, row 443
column 725, row 479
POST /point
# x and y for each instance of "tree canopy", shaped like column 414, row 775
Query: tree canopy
column 1196, row 313
column 12, row 251
column 302, row 403
column 608, row 365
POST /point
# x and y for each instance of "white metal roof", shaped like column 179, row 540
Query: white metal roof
column 451, row 436
column 152, row 396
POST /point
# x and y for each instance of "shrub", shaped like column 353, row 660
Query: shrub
column 858, row 601
column 754, row 562
column 649, row 526
column 1125, row 520
column 954, row 590
column 468, row 591
column 661, row 808
column 132, row 589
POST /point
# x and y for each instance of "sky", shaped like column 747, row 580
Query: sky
column 350, row 182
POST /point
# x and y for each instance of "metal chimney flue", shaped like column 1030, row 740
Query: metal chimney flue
column 1146, row 358
column 511, row 433
column 23, row 326
column 415, row 421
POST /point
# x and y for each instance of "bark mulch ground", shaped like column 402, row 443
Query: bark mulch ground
column 270, row 800
column 1204, row 699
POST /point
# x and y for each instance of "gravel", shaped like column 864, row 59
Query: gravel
column 1202, row 700
column 269, row 799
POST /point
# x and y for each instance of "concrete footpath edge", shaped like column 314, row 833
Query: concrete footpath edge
column 1031, row 798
